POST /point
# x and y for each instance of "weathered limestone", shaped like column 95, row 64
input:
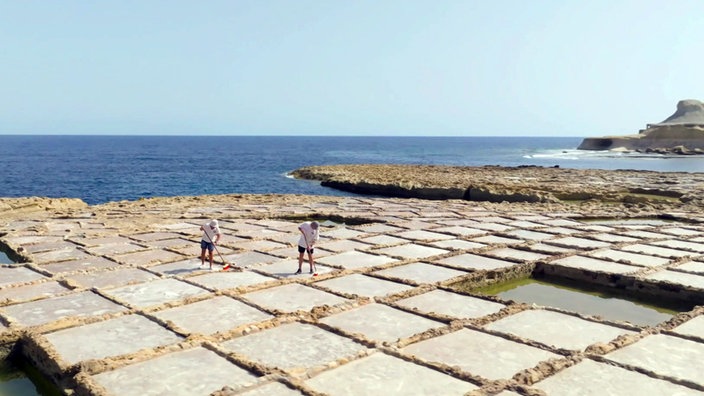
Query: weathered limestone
column 516, row 184
column 117, row 303
column 681, row 133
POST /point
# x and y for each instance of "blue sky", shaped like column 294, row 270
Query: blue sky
column 335, row 67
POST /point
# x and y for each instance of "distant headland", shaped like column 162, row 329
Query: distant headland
column 681, row 133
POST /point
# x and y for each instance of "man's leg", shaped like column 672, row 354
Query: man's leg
column 310, row 261
column 210, row 256
column 300, row 262
column 202, row 257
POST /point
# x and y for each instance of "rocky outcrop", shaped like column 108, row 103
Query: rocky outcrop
column 530, row 184
column 681, row 133
column 10, row 207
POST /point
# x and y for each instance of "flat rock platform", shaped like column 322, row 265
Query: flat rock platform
column 111, row 299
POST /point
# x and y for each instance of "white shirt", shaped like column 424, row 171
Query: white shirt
column 209, row 233
column 310, row 234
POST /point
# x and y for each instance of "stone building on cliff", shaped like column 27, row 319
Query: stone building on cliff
column 681, row 133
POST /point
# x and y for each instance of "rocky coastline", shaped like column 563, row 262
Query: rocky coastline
column 586, row 188
column 682, row 133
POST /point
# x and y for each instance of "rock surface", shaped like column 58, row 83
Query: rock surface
column 88, row 277
column 515, row 184
column 681, row 133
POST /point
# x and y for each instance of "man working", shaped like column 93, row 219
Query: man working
column 211, row 236
column 309, row 235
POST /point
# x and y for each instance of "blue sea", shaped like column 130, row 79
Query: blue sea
column 100, row 169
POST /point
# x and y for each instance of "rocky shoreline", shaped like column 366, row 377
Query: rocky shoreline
column 682, row 133
column 527, row 184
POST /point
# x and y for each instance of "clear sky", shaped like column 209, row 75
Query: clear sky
column 347, row 67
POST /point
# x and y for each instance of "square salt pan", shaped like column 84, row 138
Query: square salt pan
column 344, row 245
column 451, row 304
column 379, row 322
column 114, row 248
column 556, row 329
column 32, row 292
column 592, row 264
column 114, row 337
column 492, row 227
column 198, row 317
column 287, row 268
column 475, row 262
column 157, row 292
column 645, row 234
column 634, row 258
column 197, row 371
column 183, row 267
column 613, row 238
column 460, row 231
column 292, row 297
column 116, row 278
column 664, row 355
column 680, row 231
column 355, row 260
column 18, row 274
column 250, row 258
column 693, row 327
column 380, row 374
column 146, row 257
column 378, row 228
column 89, row 263
column 73, row 305
column 59, row 255
column 295, row 347
column 260, row 245
column 155, row 236
column 656, row 251
column 412, row 251
column 479, row 353
column 420, row 235
column 515, row 254
column 497, row 240
column 529, row 235
column 684, row 245
column 692, row 266
column 598, row 379
column 545, row 248
column 421, row 273
column 223, row 280
column 362, row 285
column 458, row 244
column 50, row 246
column 578, row 243
column 695, row 281
column 525, row 224
column 343, row 233
column 562, row 223
column 385, row 240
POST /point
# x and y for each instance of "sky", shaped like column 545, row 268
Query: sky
column 347, row 68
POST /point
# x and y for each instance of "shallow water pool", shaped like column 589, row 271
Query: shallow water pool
column 594, row 302
column 19, row 378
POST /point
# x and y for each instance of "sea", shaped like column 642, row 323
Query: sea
column 99, row 169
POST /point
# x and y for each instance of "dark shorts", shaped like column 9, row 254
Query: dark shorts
column 207, row 245
column 301, row 249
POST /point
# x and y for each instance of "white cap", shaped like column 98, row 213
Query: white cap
column 213, row 223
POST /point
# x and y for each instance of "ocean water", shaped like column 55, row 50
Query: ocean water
column 100, row 169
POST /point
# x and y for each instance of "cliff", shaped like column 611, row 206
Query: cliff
column 681, row 133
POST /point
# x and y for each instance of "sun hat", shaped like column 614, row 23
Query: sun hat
column 213, row 223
